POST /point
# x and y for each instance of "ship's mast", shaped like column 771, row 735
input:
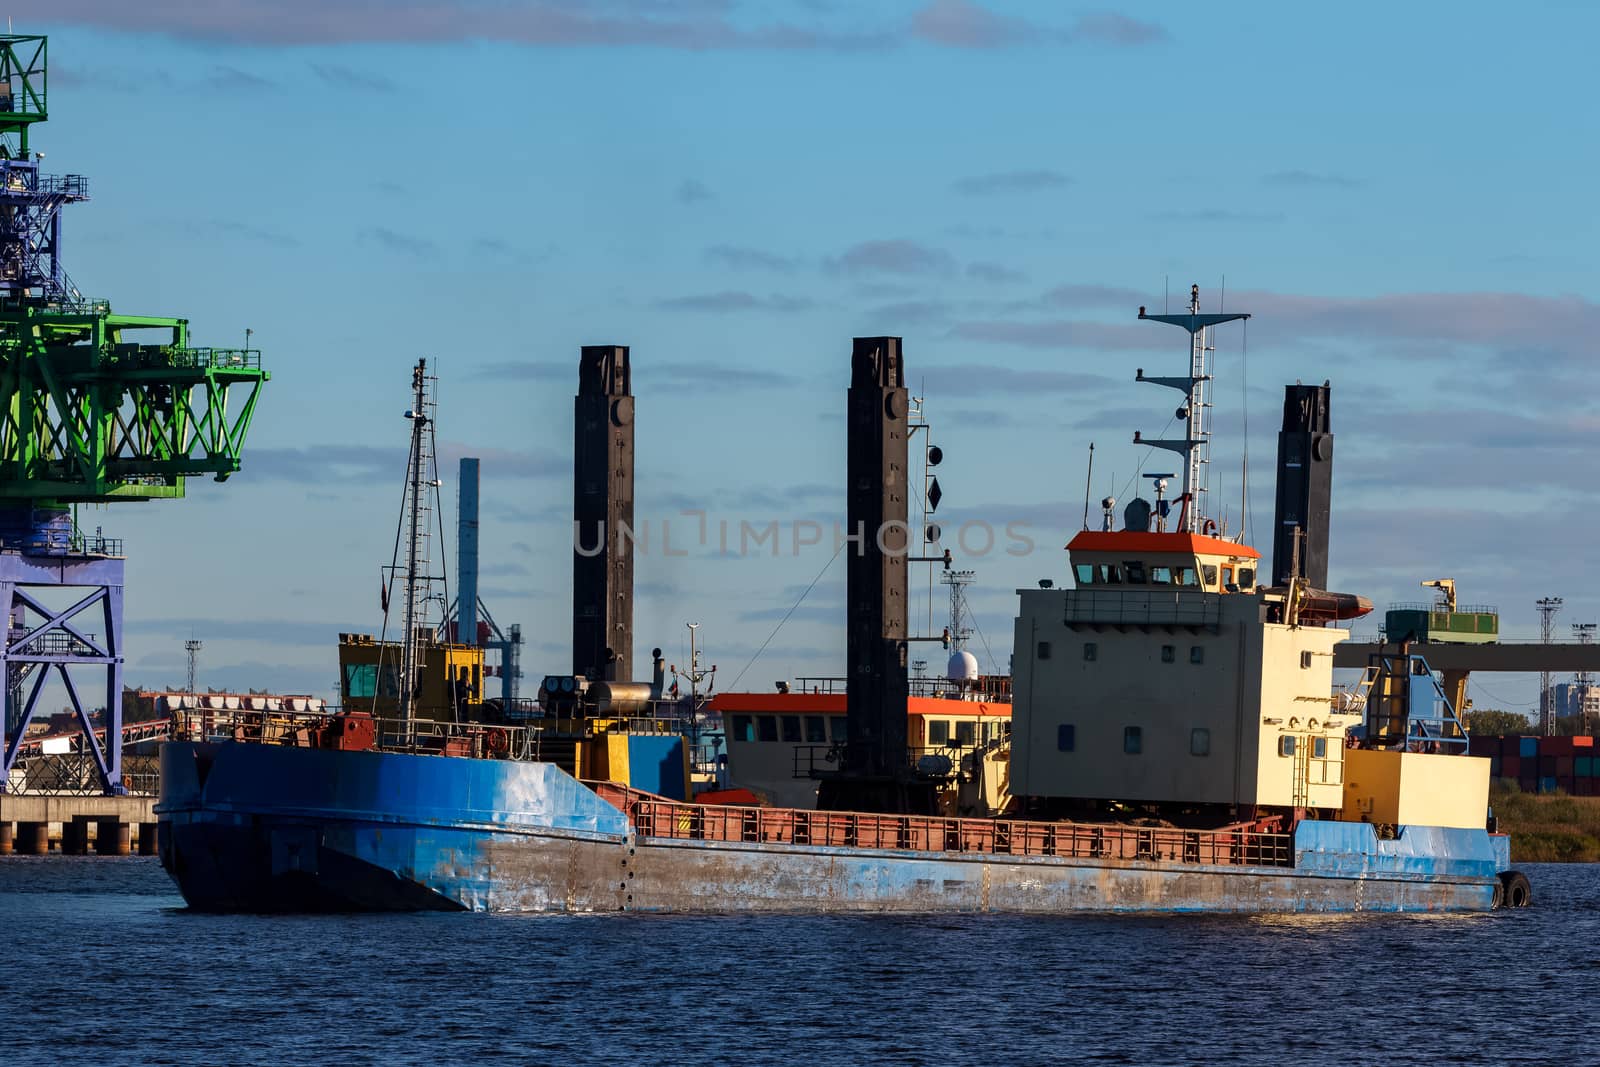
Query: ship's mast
column 1195, row 413
column 420, row 479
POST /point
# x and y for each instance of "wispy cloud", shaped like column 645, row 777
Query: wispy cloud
column 233, row 80
column 683, row 376
column 1305, row 179
column 1218, row 215
column 405, row 244
column 233, row 228
column 964, row 24
column 741, row 257
column 975, row 379
column 341, row 77
column 374, row 465
column 994, row 272
column 691, row 191
column 533, row 23
column 898, row 256
column 1011, row 181
column 1061, row 334
column 1110, row 28
column 732, row 300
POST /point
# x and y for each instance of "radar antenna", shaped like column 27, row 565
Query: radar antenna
column 1195, row 411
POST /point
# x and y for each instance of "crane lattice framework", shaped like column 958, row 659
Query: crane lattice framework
column 95, row 407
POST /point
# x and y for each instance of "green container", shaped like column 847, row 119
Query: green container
column 1583, row 767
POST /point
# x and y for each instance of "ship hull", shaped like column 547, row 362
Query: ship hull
column 260, row 828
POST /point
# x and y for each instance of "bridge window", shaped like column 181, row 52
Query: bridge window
column 1108, row 574
column 1209, row 573
column 938, row 732
column 1184, row 576
column 1135, row 571
column 1247, row 577
column 360, row 680
column 816, row 730
column 767, row 728
column 1200, row 742
column 1085, row 573
column 744, row 728
column 1132, row 740
column 838, row 729
column 1160, row 575
column 966, row 734
column 791, row 727
column 1066, row 737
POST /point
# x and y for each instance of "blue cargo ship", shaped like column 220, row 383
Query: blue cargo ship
column 1176, row 740
column 252, row 827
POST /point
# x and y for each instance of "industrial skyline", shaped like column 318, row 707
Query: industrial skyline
column 735, row 194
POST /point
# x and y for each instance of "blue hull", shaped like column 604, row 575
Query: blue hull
column 261, row 828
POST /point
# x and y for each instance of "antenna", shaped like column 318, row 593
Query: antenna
column 1088, row 482
column 192, row 648
column 1195, row 411
column 1548, row 607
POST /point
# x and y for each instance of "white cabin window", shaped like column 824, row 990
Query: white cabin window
column 1305, row 661
column 1286, row 745
column 966, row 734
column 938, row 732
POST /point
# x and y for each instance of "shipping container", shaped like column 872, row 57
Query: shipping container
column 1511, row 766
column 1547, row 784
column 1527, row 747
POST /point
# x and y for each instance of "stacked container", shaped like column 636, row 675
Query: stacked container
column 1543, row 764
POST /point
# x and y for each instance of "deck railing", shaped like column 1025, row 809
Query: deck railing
column 654, row 817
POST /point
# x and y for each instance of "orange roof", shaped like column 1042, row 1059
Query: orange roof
column 1144, row 542
column 834, row 704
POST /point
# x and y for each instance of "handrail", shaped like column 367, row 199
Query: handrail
column 655, row 817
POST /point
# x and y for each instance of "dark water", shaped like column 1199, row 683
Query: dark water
column 98, row 963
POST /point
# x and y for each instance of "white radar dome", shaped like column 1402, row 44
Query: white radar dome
column 963, row 667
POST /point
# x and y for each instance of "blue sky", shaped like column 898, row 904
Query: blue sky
column 1400, row 197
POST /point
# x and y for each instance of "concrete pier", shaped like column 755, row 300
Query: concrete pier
column 103, row 825
column 33, row 838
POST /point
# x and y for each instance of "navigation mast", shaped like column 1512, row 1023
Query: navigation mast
column 1195, row 412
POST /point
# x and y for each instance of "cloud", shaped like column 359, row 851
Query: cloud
column 1302, row 179
column 1011, row 181
column 1061, row 333
column 693, row 192
column 994, row 272
column 404, row 244
column 978, row 379
column 1217, row 215
column 1109, row 28
column 963, row 24
column 291, row 632
column 234, row 80
column 341, row 77
column 535, row 23
column 892, row 257
column 245, row 231
column 690, row 376
column 374, row 465
column 733, row 300
column 742, row 258
column 1089, row 296
column 909, row 311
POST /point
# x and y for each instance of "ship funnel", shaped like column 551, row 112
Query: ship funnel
column 602, row 513
column 1305, row 487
